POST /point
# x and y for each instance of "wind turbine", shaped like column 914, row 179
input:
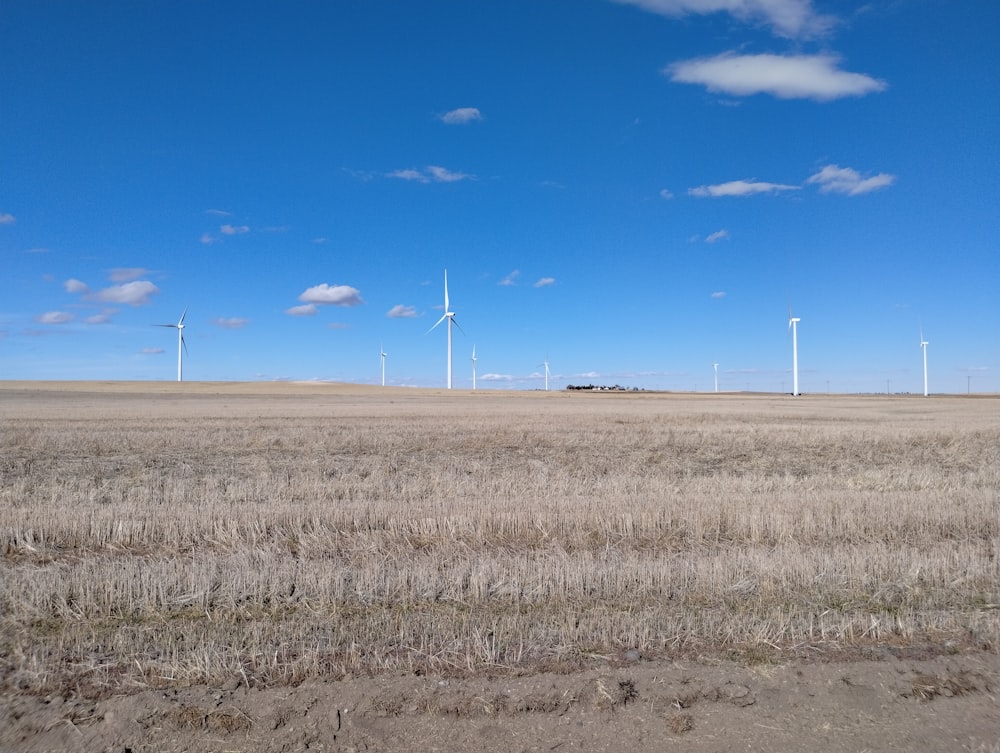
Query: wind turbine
column 716, row 367
column 545, row 363
column 450, row 316
column 473, row 367
column 792, row 325
column 383, row 354
column 180, row 342
column 923, row 345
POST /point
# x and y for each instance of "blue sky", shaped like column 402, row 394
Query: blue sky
column 632, row 190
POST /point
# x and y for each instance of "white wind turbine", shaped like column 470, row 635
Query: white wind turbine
column 473, row 367
column 382, row 354
column 923, row 345
column 792, row 325
column 450, row 316
column 180, row 342
column 716, row 367
column 545, row 363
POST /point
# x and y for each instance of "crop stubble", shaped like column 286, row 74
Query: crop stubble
column 160, row 535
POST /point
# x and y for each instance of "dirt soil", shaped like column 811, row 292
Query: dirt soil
column 890, row 701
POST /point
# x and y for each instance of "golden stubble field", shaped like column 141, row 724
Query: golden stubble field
column 281, row 566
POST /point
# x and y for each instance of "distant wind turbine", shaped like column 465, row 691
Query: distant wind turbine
column 923, row 345
column 383, row 354
column 545, row 363
column 450, row 317
column 473, row 367
column 792, row 325
column 180, row 342
column 716, row 367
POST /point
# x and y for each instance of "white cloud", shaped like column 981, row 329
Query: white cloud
column 234, row 229
column 496, row 378
column 135, row 293
column 431, row 174
column 740, row 188
column 6, row 218
column 462, row 115
column 510, row 279
column 787, row 18
column 836, row 179
column 308, row 309
column 218, row 212
column 151, row 351
column 207, row 238
column 666, row 194
column 234, row 322
column 103, row 318
column 75, row 286
column 718, row 235
column 787, row 77
column 335, row 295
column 719, row 294
column 545, row 282
column 54, row 317
column 399, row 311
column 338, row 325
column 124, row 274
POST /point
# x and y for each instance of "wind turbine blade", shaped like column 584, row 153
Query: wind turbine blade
column 458, row 325
column 184, row 343
column 183, row 315
column 438, row 322
column 166, row 325
column 446, row 291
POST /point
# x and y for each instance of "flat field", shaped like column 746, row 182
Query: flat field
column 209, row 566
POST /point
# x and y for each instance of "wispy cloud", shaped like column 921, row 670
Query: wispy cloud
column 462, row 115
column 207, row 238
column 399, row 311
column 75, row 286
column 338, row 325
column 431, row 174
column 55, row 317
column 151, row 351
column 718, row 235
column 786, row 77
column 332, row 295
column 6, row 218
column 719, row 294
column 103, row 318
column 135, row 293
column 308, row 309
column 234, row 322
column 125, row 274
column 234, row 229
column 836, row 179
column 545, row 282
column 510, row 279
column 786, row 18
column 666, row 193
column 496, row 378
column 740, row 188
column 218, row 212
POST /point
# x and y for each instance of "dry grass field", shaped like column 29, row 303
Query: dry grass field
column 447, row 557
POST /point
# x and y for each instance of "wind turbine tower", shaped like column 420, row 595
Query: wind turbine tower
column 792, row 325
column 545, row 363
column 716, row 367
column 473, row 367
column 181, row 345
column 382, row 354
column 448, row 315
column 923, row 345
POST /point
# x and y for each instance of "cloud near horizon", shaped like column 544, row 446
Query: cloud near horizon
column 55, row 317
column 332, row 295
column 786, row 77
column 740, row 188
column 399, row 311
column 462, row 115
column 430, row 174
column 786, row 18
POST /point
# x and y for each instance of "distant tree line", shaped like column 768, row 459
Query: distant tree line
column 601, row 388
